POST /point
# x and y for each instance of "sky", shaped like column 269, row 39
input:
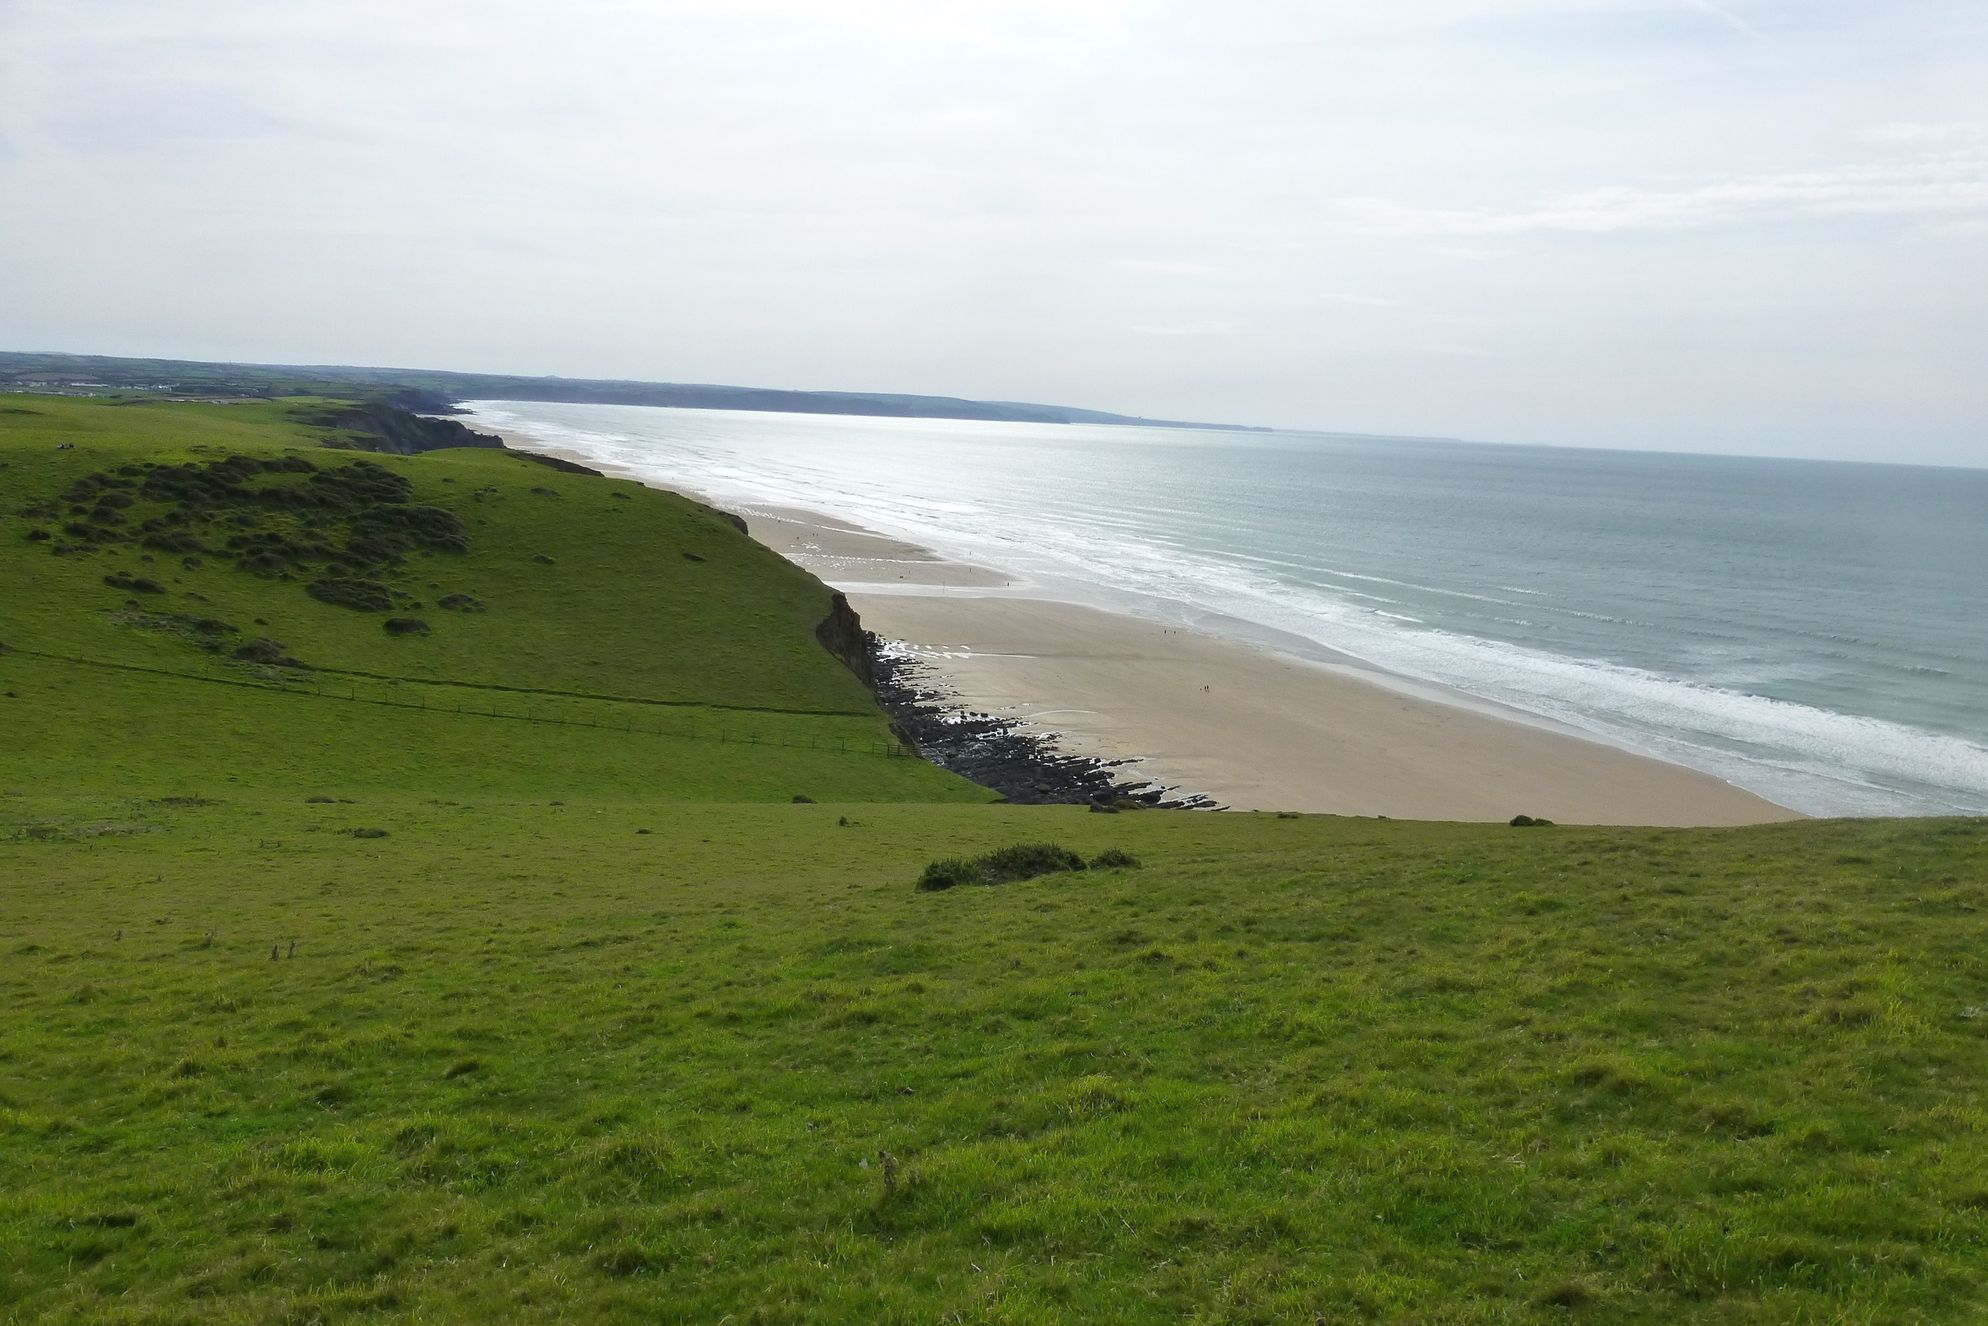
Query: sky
column 1755, row 226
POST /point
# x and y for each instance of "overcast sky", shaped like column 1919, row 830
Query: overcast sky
column 1727, row 225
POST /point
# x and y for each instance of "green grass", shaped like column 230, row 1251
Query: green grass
column 589, row 1024
column 538, row 1066
column 704, row 676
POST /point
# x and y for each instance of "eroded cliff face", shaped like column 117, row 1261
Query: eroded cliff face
column 382, row 426
column 841, row 633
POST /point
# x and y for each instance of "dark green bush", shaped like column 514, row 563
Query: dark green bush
column 361, row 595
column 271, row 652
column 386, row 531
column 1006, row 866
column 1027, row 860
column 950, row 871
column 1113, row 859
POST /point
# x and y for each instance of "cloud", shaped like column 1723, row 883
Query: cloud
column 1949, row 184
column 1211, row 327
column 1163, row 268
column 1924, row 135
column 1723, row 15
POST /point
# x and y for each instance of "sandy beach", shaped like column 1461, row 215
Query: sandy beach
column 1253, row 729
column 1248, row 727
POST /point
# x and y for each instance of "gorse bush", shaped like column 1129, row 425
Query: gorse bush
column 1027, row 860
column 1006, row 866
column 346, row 592
column 949, row 871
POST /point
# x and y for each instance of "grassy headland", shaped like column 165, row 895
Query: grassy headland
column 431, row 388
column 547, row 603
column 332, row 995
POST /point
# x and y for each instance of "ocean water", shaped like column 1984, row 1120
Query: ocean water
column 1814, row 632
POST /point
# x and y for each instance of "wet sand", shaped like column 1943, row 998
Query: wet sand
column 1249, row 727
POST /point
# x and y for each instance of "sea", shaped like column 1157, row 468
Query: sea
column 1816, row 632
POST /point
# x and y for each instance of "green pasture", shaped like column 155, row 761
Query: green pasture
column 495, row 974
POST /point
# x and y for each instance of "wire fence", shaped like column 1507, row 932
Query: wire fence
column 518, row 705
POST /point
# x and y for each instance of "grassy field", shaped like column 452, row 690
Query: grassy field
column 701, row 678
column 320, row 1009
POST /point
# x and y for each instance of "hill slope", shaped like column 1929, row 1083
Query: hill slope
column 538, row 1066
column 144, row 546
column 491, row 973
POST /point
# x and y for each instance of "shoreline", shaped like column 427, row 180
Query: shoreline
column 1238, row 723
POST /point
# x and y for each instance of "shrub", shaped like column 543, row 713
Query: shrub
column 405, row 626
column 948, row 872
column 359, row 595
column 1027, row 860
column 1113, row 859
column 387, row 531
column 270, row 652
column 1006, row 866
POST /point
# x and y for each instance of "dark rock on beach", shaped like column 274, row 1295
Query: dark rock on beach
column 997, row 753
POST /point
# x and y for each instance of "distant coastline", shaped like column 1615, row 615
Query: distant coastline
column 1647, row 602
column 1202, row 719
column 440, row 391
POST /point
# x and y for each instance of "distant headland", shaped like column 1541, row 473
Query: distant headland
column 434, row 390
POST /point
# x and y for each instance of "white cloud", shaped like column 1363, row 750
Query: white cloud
column 1945, row 185
column 1907, row 132
column 1165, row 268
column 1210, row 327
column 1723, row 15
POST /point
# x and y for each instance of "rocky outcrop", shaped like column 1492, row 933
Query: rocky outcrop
column 997, row 753
column 841, row 633
column 381, row 426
